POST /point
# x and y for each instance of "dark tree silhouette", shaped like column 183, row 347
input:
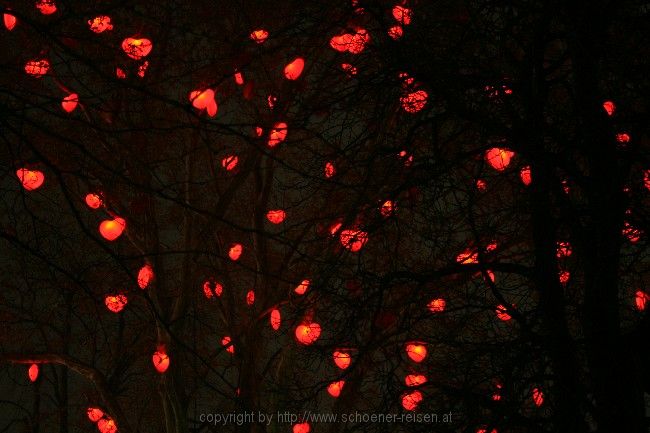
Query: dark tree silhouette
column 324, row 209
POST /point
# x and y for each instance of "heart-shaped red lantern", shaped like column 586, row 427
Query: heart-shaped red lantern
column 413, row 102
column 93, row 201
column 276, row 319
column 9, row 21
column 230, row 162
column 100, row 24
column 227, row 343
column 277, row 134
column 437, row 305
column 112, row 229
column 308, row 333
column 302, row 287
column 415, row 379
column 37, row 68
column 47, row 7
column 342, row 359
column 70, row 102
column 294, row 69
column 94, row 414
column 259, row 36
column 334, row 389
column 33, row 372
column 276, row 216
column 498, row 158
column 416, row 351
column 145, row 276
column 204, row 100
column 31, row 179
column 235, row 251
column 116, row 303
column 353, row 240
column 136, row 48
column 411, row 400
column 106, row 425
column 301, row 428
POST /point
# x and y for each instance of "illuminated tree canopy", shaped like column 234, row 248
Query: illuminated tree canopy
column 324, row 207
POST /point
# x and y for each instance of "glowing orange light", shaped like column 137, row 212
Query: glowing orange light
column 239, row 78
column 100, row 24
column 349, row 69
column 226, row 342
column 112, row 229
column 37, row 68
column 416, row 351
column 9, row 21
column 277, row 134
column 437, row 305
column 250, row 297
column 145, row 276
column 119, row 73
column 538, row 397
column 276, row 319
column 302, row 287
column 502, row 313
column 341, row 43
column 160, row 360
column 276, row 216
column 402, row 15
column 136, row 48
column 142, row 69
column 230, row 162
column 411, row 400
column 106, row 425
column 415, row 380
column 623, row 137
column 33, row 372
column 387, row 208
column 335, row 227
column 481, row 185
column 564, row 276
column 259, row 36
column 308, row 333
column 563, row 249
column 235, row 251
column 353, row 240
column 294, row 69
column 467, row 257
column 525, row 175
column 414, row 101
column 94, row 414
column 301, row 428
column 330, row 170
column 204, row 100
column 640, row 299
column 47, row 7
column 212, row 288
column 360, row 39
column 115, row 303
column 334, row 389
column 395, row 32
column 498, row 158
column 70, row 102
column 93, row 201
column 30, row 179
column 258, row 131
column 342, row 359
column 631, row 233
column 609, row 107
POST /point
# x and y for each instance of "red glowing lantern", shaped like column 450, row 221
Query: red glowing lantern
column 142, row 69
column 646, row 179
column 411, row 400
column 115, row 303
column 481, row 185
column 235, row 252
column 294, row 69
column 631, row 233
column 525, row 175
column 70, row 102
column 106, row 425
column 416, row 351
column 342, row 359
column 609, row 107
column 136, row 48
column 211, row 288
column 353, row 240
column 564, row 276
column 395, row 32
column 239, row 78
column 496, row 396
column 230, row 162
column 33, row 372
column 160, row 360
column 276, row 216
column 301, row 428
column 112, row 229
column 94, row 414
column 204, row 100
column 119, row 73
column 437, row 305
column 276, row 319
column 341, row 43
column 308, row 333
column 226, row 342
column 402, row 15
column 93, row 201
column 498, row 158
column 9, row 21
column 100, row 24
column 250, row 297
column 349, row 69
column 302, row 287
column 387, row 208
column 415, row 380
column 330, row 170
column 47, row 7
column 467, row 257
column 640, row 299
column 277, row 134
column 31, row 179
column 37, row 68
column 145, row 276
column 538, row 397
column 414, row 101
column 334, row 389
column 623, row 137
column 502, row 313
column 359, row 40
column 563, row 249
column 259, row 36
